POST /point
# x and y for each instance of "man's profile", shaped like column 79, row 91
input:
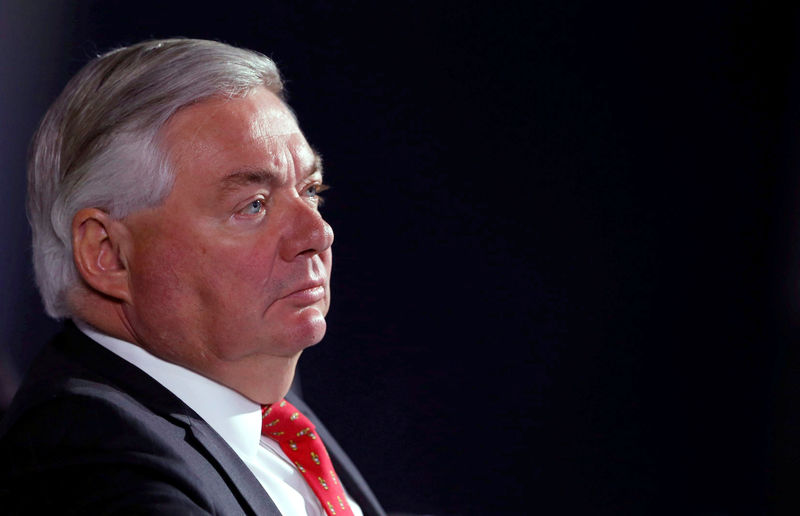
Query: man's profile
column 174, row 204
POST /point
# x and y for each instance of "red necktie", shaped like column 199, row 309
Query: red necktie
column 298, row 439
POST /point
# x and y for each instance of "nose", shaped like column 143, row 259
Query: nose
column 305, row 231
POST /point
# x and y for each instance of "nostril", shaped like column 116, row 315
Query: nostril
column 306, row 233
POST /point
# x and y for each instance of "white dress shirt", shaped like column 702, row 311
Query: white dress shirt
column 235, row 418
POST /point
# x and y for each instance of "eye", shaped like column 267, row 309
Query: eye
column 312, row 191
column 254, row 207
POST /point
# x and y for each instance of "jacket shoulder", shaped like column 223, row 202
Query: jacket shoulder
column 75, row 440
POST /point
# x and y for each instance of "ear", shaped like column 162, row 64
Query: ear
column 96, row 250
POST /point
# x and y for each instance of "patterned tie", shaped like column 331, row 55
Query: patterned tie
column 297, row 437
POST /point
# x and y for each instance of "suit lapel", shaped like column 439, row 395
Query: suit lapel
column 241, row 481
column 129, row 378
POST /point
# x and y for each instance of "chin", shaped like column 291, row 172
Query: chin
column 306, row 330
column 313, row 328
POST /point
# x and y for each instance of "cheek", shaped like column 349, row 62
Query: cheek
column 229, row 276
column 240, row 269
column 196, row 275
column 159, row 276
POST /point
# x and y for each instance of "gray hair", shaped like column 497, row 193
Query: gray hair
column 97, row 145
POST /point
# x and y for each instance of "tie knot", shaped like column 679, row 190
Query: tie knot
column 281, row 421
column 297, row 437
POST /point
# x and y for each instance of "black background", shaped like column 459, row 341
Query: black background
column 565, row 261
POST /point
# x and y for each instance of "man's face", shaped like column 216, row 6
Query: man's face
column 236, row 263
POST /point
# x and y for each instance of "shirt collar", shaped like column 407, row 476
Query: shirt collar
column 234, row 417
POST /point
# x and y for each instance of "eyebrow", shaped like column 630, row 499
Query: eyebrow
column 247, row 177
column 317, row 167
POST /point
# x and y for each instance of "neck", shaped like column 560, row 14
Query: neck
column 261, row 377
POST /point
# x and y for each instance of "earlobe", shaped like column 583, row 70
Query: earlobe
column 96, row 250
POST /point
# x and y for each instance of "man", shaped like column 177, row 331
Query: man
column 174, row 204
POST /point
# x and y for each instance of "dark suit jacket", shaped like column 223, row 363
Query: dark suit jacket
column 89, row 433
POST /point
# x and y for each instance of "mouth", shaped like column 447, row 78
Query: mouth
column 307, row 294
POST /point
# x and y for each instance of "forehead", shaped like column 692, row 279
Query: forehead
column 255, row 131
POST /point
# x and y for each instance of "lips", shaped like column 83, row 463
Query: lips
column 308, row 293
